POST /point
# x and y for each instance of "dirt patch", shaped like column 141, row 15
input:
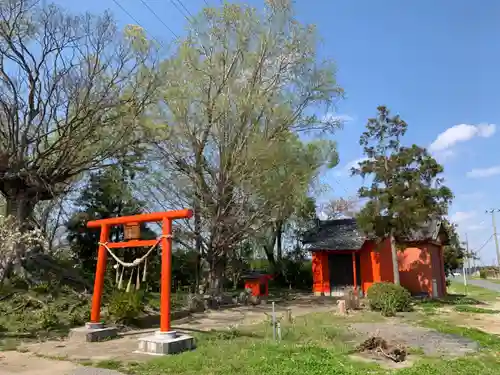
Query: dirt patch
column 486, row 323
column 15, row 363
column 383, row 362
column 431, row 342
column 26, row 364
column 489, row 323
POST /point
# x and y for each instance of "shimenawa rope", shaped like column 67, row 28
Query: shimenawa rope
column 136, row 263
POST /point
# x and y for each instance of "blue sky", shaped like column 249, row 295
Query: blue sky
column 433, row 62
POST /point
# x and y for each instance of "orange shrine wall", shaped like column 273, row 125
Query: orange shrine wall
column 376, row 263
column 418, row 265
column 321, row 276
column 415, row 269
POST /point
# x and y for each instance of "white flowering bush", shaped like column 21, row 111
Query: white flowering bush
column 16, row 243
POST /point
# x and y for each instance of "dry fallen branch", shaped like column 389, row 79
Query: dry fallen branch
column 28, row 300
column 378, row 345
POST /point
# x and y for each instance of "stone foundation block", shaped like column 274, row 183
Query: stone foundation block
column 162, row 343
column 93, row 332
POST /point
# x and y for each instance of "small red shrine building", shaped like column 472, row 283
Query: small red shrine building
column 343, row 257
column 258, row 283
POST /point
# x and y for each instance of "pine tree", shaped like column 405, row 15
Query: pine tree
column 107, row 194
column 406, row 190
column 454, row 251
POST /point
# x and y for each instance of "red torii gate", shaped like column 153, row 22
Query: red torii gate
column 166, row 257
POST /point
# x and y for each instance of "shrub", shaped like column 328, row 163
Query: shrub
column 483, row 274
column 41, row 288
column 125, row 307
column 47, row 319
column 389, row 298
column 77, row 319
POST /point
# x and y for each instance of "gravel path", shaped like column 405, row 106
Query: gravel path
column 430, row 341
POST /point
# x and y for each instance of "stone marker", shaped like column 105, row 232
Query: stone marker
column 342, row 307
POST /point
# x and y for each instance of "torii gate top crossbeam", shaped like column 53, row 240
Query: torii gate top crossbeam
column 141, row 218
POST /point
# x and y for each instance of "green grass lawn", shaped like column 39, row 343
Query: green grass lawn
column 320, row 344
column 474, row 291
column 314, row 344
column 462, row 299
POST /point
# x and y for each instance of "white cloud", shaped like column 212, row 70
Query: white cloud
column 445, row 155
column 484, row 172
column 461, row 133
column 461, row 216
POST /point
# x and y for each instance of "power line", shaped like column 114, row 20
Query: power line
column 135, row 20
column 186, row 9
column 497, row 247
column 180, row 10
column 485, row 243
column 159, row 19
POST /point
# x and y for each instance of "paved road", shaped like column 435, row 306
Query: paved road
column 482, row 283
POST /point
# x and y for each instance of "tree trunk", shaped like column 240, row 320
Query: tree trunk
column 198, row 241
column 269, row 250
column 395, row 264
column 21, row 209
column 279, row 241
column 216, row 276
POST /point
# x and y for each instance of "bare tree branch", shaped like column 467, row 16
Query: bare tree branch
column 73, row 90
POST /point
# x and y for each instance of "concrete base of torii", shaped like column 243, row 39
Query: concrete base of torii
column 162, row 343
column 93, row 332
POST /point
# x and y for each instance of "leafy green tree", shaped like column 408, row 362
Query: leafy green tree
column 407, row 188
column 240, row 80
column 454, row 252
column 291, row 167
column 107, row 194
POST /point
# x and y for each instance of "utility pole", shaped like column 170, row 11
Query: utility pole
column 468, row 251
column 464, row 262
column 492, row 212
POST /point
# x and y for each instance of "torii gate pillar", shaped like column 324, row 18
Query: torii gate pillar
column 165, row 341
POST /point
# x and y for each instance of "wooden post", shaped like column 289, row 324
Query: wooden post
column 354, row 271
column 95, row 314
column 166, row 272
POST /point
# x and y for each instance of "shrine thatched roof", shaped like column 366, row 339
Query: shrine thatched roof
column 344, row 234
